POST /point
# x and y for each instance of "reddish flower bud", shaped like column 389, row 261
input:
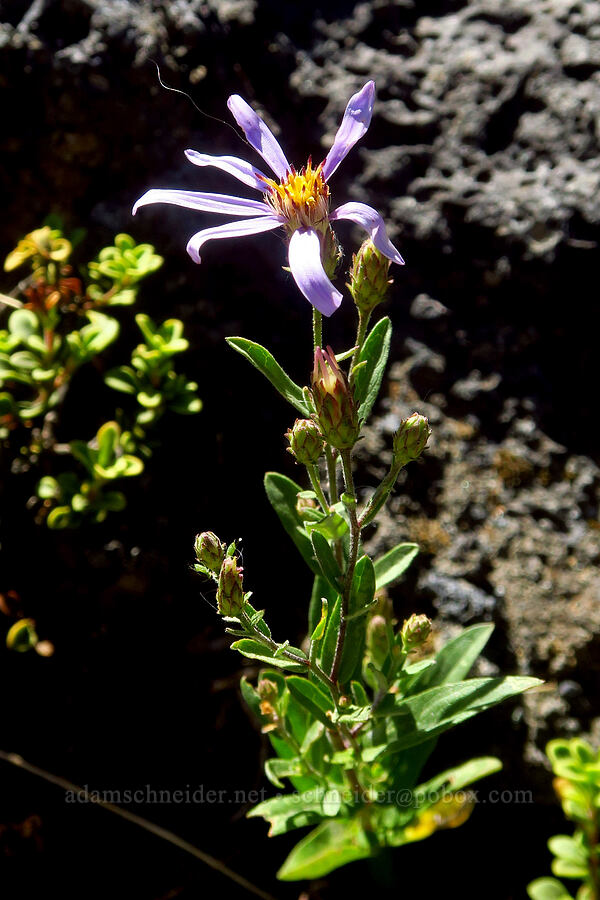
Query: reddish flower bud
column 335, row 409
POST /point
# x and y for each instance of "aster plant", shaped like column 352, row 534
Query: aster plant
column 353, row 713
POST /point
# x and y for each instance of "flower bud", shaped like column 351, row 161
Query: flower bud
column 230, row 592
column 415, row 632
column 335, row 410
column 378, row 641
column 411, row 439
column 210, row 552
column 369, row 277
column 306, row 443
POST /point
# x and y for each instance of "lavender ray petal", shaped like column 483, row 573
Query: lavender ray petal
column 239, row 168
column 259, row 135
column 357, row 119
column 309, row 274
column 369, row 219
column 231, row 230
column 217, row 203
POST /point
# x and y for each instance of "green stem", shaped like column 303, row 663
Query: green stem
column 317, row 329
column 379, row 496
column 363, row 324
column 331, row 475
column 352, row 558
column 273, row 646
column 313, row 474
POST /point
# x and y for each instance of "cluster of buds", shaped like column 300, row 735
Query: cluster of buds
column 306, row 443
column 210, row 552
column 335, row 409
column 415, row 632
column 369, row 277
column 230, row 590
column 411, row 439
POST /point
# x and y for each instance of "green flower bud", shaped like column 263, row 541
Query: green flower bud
column 415, row 632
column 230, row 592
column 378, row 640
column 306, row 443
column 411, row 439
column 335, row 409
column 210, row 552
column 369, row 277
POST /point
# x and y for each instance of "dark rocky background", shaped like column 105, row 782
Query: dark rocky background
column 483, row 155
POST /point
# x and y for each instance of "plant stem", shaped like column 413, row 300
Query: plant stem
column 379, row 496
column 363, row 324
column 353, row 556
column 317, row 329
column 273, row 646
column 313, row 474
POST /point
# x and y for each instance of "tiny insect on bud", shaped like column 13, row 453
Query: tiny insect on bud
column 369, row 277
column 306, row 443
column 410, row 439
column 335, row 409
column 230, row 592
column 331, row 252
column 210, row 552
column 415, row 632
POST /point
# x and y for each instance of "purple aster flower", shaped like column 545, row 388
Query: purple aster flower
column 298, row 201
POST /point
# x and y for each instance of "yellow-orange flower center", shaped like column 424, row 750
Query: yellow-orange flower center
column 302, row 198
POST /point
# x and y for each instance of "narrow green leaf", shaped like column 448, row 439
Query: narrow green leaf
column 440, row 708
column 390, row 567
column 332, row 844
column 326, row 560
column 372, row 362
column 361, row 597
column 331, row 527
column 276, row 769
column 330, row 639
column 311, row 698
column 266, row 363
column 288, row 811
column 455, row 660
column 319, row 629
column 282, row 493
column 255, row 650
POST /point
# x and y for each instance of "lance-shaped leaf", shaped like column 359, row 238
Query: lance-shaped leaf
column 418, row 718
column 255, row 650
column 392, row 565
column 332, row 844
column 266, row 363
column 311, row 698
column 371, row 367
column 290, row 811
column 455, row 659
column 326, row 559
column 282, row 493
column 361, row 597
